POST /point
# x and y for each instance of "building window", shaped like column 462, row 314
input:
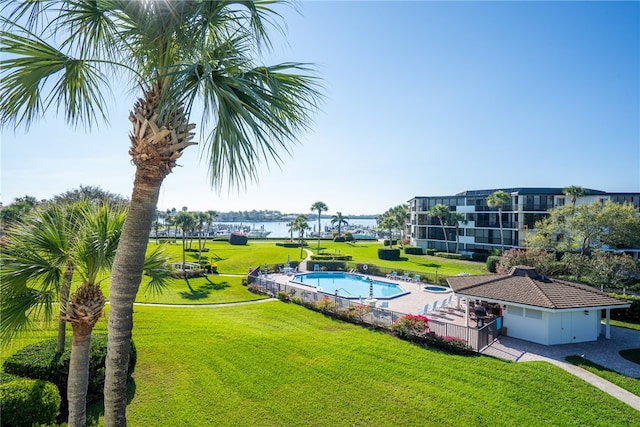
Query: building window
column 514, row 311
column 533, row 314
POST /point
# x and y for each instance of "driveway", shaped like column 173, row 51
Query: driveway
column 604, row 352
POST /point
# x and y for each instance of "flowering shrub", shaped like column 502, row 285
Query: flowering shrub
column 411, row 325
column 358, row 311
column 325, row 305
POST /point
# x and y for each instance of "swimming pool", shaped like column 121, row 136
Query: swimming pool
column 349, row 285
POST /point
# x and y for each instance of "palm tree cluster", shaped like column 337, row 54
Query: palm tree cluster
column 319, row 207
column 183, row 56
column 395, row 218
column 300, row 225
column 447, row 218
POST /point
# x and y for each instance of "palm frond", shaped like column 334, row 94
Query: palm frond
column 156, row 267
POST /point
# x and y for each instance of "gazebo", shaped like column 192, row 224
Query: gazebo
column 540, row 309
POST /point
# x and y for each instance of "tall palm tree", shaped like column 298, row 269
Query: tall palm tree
column 575, row 191
column 320, row 207
column 340, row 220
column 390, row 223
column 292, row 227
column 300, row 224
column 499, row 199
column 177, row 53
column 455, row 218
column 441, row 212
column 402, row 215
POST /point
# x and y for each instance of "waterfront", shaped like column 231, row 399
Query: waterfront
column 279, row 229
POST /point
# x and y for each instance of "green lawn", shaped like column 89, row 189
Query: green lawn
column 275, row 364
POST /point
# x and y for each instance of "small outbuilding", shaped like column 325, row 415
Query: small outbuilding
column 540, row 309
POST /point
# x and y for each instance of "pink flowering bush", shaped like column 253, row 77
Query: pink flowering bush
column 411, row 325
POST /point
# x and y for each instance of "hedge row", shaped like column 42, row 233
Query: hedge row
column 41, row 362
column 389, row 254
column 331, row 257
column 413, row 250
column 27, row 402
column 631, row 314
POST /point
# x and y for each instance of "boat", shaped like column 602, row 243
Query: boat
column 260, row 234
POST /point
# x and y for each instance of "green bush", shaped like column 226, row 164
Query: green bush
column 340, row 239
column 40, row 361
column 430, row 252
column 331, row 257
column 492, row 262
column 413, row 250
column 348, row 236
column 389, row 254
column 329, row 265
column 238, row 239
column 631, row 314
column 290, row 244
column 393, row 242
column 479, row 256
column 449, row 255
column 27, row 402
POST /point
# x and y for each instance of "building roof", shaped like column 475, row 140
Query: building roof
column 523, row 285
column 555, row 191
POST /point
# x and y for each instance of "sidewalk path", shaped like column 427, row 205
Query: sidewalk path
column 603, row 352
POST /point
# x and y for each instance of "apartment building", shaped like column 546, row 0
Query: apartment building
column 480, row 229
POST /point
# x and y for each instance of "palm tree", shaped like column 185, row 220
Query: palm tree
column 499, row 199
column 574, row 191
column 291, row 226
column 301, row 225
column 176, row 53
column 186, row 221
column 402, row 215
column 320, row 207
column 455, row 218
column 389, row 222
column 340, row 220
column 442, row 213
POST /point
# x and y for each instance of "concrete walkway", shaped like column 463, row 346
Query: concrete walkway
column 603, row 352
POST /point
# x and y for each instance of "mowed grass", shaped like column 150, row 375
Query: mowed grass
column 276, row 364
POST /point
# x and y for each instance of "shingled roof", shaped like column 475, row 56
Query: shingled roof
column 523, row 285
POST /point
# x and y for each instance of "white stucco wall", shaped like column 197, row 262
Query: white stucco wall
column 552, row 327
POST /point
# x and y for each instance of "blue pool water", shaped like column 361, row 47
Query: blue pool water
column 437, row 289
column 349, row 285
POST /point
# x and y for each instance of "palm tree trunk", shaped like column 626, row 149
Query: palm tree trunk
column 444, row 232
column 126, row 275
column 501, row 233
column 78, row 380
column 64, row 299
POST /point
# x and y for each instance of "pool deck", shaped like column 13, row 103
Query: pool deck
column 412, row 302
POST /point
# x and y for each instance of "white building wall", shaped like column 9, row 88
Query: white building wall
column 526, row 326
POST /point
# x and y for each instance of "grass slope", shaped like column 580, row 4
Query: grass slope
column 275, row 364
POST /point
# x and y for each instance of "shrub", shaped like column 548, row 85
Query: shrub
column 449, row 255
column 430, row 252
column 410, row 326
column 348, row 236
column 238, row 239
column 290, row 244
column 40, row 361
column 331, row 257
column 492, row 262
column 479, row 256
column 340, row 239
column 631, row 314
column 413, row 250
column 330, row 265
column 27, row 402
column 393, row 242
column 389, row 254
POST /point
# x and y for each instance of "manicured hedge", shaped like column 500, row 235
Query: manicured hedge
column 430, row 252
column 40, row 361
column 326, row 265
column 479, row 256
column 340, row 239
column 27, row 402
column 331, row 257
column 631, row 314
column 389, row 254
column 413, row 250
column 238, row 239
column 450, row 255
column 393, row 242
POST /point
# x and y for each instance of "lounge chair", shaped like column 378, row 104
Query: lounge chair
column 316, row 267
column 416, row 278
column 435, row 306
column 384, row 305
column 393, row 275
column 405, row 276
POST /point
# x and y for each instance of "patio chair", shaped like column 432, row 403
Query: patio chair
column 416, row 278
column 435, row 306
column 393, row 275
column 405, row 276
column 316, row 267
column 384, row 305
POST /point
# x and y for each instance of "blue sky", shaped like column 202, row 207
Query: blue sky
column 421, row 98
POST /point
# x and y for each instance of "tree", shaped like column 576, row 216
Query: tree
column 441, row 212
column 574, row 191
column 91, row 193
column 291, row 226
column 455, row 218
column 402, row 216
column 300, row 224
column 14, row 212
column 499, row 199
column 320, row 207
column 176, row 53
column 389, row 222
column 340, row 220
column 186, row 221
